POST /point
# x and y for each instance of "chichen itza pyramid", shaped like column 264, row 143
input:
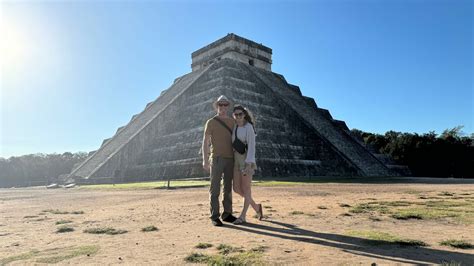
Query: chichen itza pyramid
column 295, row 136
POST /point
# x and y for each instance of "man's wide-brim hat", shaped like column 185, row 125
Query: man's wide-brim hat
column 221, row 99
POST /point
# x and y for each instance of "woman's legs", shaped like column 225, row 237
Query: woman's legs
column 238, row 182
column 247, row 191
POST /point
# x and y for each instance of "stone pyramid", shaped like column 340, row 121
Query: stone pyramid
column 294, row 136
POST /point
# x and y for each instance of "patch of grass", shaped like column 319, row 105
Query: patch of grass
column 243, row 258
column 267, row 207
column 412, row 192
column 422, row 214
column 105, row 230
column 296, row 213
column 51, row 256
column 197, row 258
column 149, row 228
column 24, row 256
column 462, row 244
column 443, row 204
column 407, row 215
column 461, row 211
column 375, row 219
column 346, row 214
column 271, row 210
column 55, row 211
column 259, row 249
column 445, row 193
column 226, row 249
column 63, row 222
column 64, row 229
column 203, row 245
column 397, row 203
column 150, row 185
column 69, row 254
column 344, row 205
column 383, row 238
column 77, row 212
column 368, row 207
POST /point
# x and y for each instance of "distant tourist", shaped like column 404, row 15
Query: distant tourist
column 243, row 139
column 218, row 159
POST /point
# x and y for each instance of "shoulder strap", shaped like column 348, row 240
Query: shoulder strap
column 223, row 124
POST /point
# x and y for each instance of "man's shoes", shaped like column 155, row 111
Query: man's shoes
column 230, row 218
column 217, row 222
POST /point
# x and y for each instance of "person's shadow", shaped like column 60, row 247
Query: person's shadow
column 355, row 245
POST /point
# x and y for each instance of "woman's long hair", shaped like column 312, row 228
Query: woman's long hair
column 248, row 116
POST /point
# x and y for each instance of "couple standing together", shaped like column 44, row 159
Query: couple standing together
column 229, row 150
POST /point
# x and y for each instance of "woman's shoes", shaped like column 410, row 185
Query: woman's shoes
column 260, row 212
column 239, row 221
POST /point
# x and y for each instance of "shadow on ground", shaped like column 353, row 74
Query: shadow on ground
column 357, row 246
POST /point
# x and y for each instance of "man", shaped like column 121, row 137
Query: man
column 219, row 159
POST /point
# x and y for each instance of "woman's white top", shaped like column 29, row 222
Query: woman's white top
column 246, row 134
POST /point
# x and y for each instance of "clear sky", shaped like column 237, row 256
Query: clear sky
column 72, row 72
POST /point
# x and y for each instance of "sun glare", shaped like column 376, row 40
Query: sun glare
column 15, row 47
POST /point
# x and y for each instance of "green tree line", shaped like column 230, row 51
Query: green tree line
column 37, row 169
column 450, row 154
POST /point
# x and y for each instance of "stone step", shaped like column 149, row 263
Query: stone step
column 311, row 102
column 325, row 113
column 341, row 124
column 296, row 89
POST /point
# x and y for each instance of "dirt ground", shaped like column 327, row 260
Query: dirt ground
column 306, row 224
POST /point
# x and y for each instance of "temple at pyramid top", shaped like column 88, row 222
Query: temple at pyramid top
column 234, row 47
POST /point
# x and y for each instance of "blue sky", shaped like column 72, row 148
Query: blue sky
column 72, row 72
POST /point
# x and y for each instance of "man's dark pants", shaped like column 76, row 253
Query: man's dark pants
column 218, row 166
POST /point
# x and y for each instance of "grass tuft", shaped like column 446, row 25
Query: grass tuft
column 52, row 256
column 260, row 249
column 64, row 229
column 296, row 213
column 406, row 215
column 242, row 258
column 24, row 256
column 462, row 244
column 105, row 230
column 63, row 222
column 382, row 238
column 203, row 245
column 445, row 193
column 197, row 258
column 149, row 228
column 69, row 254
column 226, row 249
column 461, row 211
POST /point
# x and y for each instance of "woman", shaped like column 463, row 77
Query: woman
column 244, row 164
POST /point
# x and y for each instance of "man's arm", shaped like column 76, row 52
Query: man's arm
column 205, row 152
